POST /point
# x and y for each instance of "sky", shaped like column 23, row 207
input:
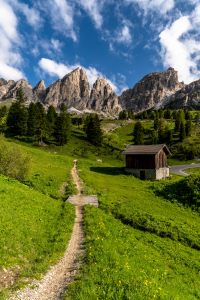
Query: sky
column 122, row 40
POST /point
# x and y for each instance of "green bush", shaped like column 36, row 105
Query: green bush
column 14, row 162
column 186, row 191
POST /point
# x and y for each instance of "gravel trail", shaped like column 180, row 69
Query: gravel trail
column 54, row 283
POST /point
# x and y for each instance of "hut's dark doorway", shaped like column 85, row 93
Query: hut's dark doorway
column 142, row 175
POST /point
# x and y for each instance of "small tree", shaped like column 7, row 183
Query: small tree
column 154, row 138
column 3, row 118
column 131, row 114
column 42, row 130
column 138, row 134
column 188, row 127
column 62, row 126
column 33, row 118
column 51, row 118
column 167, row 114
column 156, row 123
column 93, row 130
column 123, row 115
column 161, row 130
column 182, row 132
column 168, row 135
column 18, row 115
column 152, row 115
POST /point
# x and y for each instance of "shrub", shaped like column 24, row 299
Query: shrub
column 14, row 162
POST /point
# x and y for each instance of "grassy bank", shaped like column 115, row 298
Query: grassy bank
column 124, row 263
column 35, row 230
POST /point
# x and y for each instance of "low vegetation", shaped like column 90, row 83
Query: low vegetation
column 124, row 263
column 35, row 230
column 142, row 243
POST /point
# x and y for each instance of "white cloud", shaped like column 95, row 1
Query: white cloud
column 10, row 59
column 124, row 36
column 62, row 16
column 49, row 47
column 180, row 50
column 159, row 6
column 53, row 69
column 32, row 15
column 93, row 8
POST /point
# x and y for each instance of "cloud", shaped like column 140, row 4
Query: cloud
column 62, row 16
column 55, row 69
column 94, row 9
column 10, row 59
column 49, row 47
column 180, row 49
column 149, row 6
column 32, row 15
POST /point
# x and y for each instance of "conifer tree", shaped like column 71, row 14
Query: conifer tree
column 167, row 114
column 174, row 114
column 42, row 129
column 188, row 127
column 3, row 118
column 51, row 118
column 156, row 122
column 33, row 119
column 62, row 126
column 188, row 115
column 18, row 115
column 154, row 138
column 161, row 130
column 161, row 113
column 168, row 135
column 138, row 134
column 152, row 115
column 131, row 114
column 93, row 130
column 182, row 132
column 145, row 115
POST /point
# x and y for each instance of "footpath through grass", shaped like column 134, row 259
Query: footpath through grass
column 124, row 263
column 35, row 230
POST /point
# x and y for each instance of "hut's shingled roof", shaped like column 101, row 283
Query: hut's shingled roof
column 145, row 149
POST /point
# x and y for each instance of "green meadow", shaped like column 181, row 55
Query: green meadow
column 140, row 243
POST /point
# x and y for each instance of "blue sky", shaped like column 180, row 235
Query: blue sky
column 121, row 40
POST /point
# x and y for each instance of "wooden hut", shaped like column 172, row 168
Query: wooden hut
column 147, row 161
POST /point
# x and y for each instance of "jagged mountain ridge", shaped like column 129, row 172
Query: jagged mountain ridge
column 73, row 89
column 157, row 89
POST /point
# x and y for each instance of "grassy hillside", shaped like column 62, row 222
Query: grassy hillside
column 124, row 263
column 139, row 243
column 35, row 230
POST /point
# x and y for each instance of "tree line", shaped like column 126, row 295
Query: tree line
column 162, row 132
column 36, row 122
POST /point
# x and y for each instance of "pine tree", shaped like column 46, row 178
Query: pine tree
column 145, row 115
column 138, row 134
column 42, row 129
column 154, row 138
column 161, row 113
column 33, row 119
column 131, row 114
column 62, row 126
column 182, row 132
column 93, row 130
column 161, row 131
column 156, row 122
column 188, row 127
column 51, row 118
column 197, row 117
column 188, row 115
column 123, row 115
column 3, row 118
column 18, row 115
column 152, row 115
column 174, row 114
column 167, row 114
column 168, row 135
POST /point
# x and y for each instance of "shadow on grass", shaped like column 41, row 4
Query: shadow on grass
column 108, row 170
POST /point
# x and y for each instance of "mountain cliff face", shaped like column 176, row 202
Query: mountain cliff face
column 152, row 89
column 73, row 89
column 157, row 89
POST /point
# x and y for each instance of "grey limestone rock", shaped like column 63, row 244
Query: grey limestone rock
column 152, row 89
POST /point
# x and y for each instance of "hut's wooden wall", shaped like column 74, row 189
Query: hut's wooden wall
column 161, row 160
column 147, row 161
column 140, row 161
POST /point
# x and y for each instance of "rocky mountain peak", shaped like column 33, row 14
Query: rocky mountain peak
column 152, row 89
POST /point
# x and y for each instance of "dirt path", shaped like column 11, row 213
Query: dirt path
column 54, row 283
